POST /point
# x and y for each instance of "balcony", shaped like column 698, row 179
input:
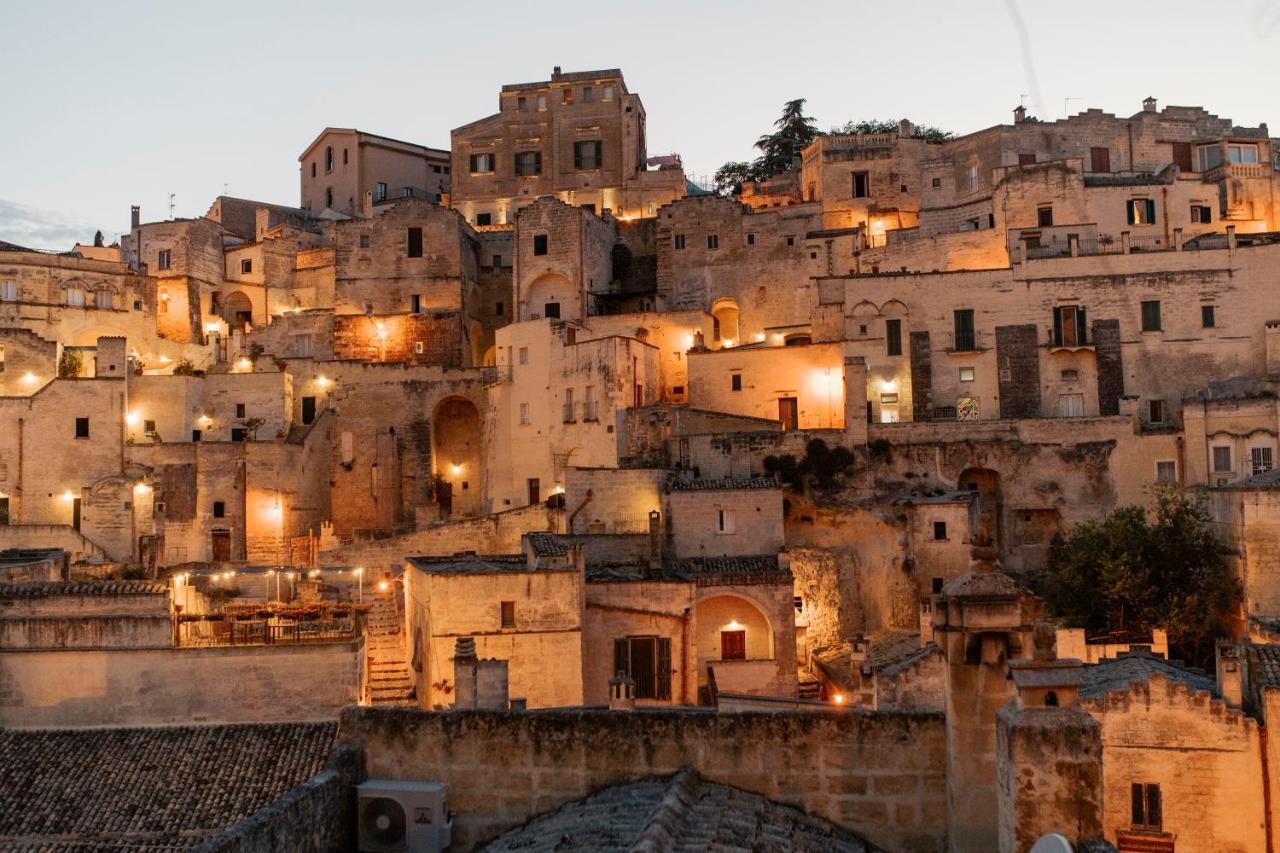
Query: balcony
column 1223, row 171
column 271, row 625
column 590, row 411
column 495, row 375
column 569, row 413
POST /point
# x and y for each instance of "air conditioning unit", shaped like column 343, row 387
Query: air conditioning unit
column 403, row 817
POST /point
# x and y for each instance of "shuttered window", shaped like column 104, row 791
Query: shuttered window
column 413, row 246
column 1069, row 329
column 893, row 337
column 1151, row 315
column 588, row 154
column 528, row 163
column 965, row 339
column 1145, row 806
column 1141, row 211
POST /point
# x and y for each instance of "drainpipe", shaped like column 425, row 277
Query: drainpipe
column 574, row 514
column 21, row 510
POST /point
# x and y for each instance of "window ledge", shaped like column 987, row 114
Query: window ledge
column 1072, row 348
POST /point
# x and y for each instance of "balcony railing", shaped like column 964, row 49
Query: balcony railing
column 569, row 413
column 590, row 411
column 221, row 630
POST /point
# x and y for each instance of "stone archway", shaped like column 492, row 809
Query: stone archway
column 237, row 310
column 550, row 296
column 987, row 512
column 725, row 316
column 457, row 456
column 735, row 636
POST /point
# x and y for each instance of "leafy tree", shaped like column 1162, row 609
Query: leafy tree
column 779, row 150
column 184, row 368
column 929, row 133
column 1133, row 570
column 97, row 239
column 821, row 464
column 69, row 364
column 731, row 176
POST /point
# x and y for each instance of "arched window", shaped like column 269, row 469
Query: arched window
column 328, row 197
column 328, row 158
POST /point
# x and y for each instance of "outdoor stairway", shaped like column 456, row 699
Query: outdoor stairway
column 389, row 677
column 810, row 687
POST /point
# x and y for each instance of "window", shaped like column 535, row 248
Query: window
column 407, row 192
column 419, row 347
column 82, row 427
column 607, row 94
column 861, row 184
column 308, row 410
column 791, row 241
column 75, row 297
column 1166, row 471
column 713, row 241
column 589, row 408
column 966, row 374
column 313, row 170
column 1070, row 374
column 328, row 197
column 522, row 103
column 415, row 304
column 364, row 241
column 498, row 307
column 936, row 183
column 1145, row 802
column 588, row 154
column 1260, row 460
column 1070, row 405
column 240, row 410
column 103, row 299
column 1242, row 153
column 1141, row 211
column 328, row 159
column 751, row 239
column 566, row 96
column 587, row 94
column 246, row 266
column 8, row 291
column 965, row 339
column 1151, row 315
column 1222, row 460
column 726, row 521
column 679, row 241
column 219, row 509
column 1099, row 159
column 508, row 614
column 542, row 102
column 735, row 382
column 888, row 408
column 413, row 248
column 344, row 156
column 524, row 413
column 528, row 164
column 1026, row 159
column 1, row 359
column 196, row 435
column 539, row 244
column 148, row 426
column 973, row 179
column 239, row 434
column 940, row 531
column 1201, row 213
column 893, row 337
column 481, row 164
column 552, row 311
column 570, row 412
column 647, row 660
column 524, row 355
column 1155, row 411
column 437, row 168
column 733, row 645
column 1069, row 326
column 1044, row 216
column 1207, row 318
column 301, row 346
column 381, row 193
column 164, row 260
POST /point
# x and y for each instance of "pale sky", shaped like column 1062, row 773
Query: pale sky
column 111, row 104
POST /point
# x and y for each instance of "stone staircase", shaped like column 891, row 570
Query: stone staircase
column 389, row 677
column 810, row 687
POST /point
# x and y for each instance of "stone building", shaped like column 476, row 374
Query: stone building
column 579, row 136
column 344, row 165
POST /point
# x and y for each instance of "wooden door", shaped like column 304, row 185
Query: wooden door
column 1100, row 159
column 220, row 542
column 1182, row 156
column 535, row 491
column 75, row 513
column 4, row 510
column 788, row 412
column 733, row 645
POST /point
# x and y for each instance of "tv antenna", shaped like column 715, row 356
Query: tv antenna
column 1066, row 110
column 172, row 204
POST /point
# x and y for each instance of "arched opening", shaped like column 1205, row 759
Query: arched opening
column 797, row 340
column 456, row 456
column 552, row 296
column 1051, row 699
column 734, row 635
column 237, row 310
column 724, row 322
column 986, row 512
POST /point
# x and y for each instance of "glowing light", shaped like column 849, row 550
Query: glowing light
column 244, row 364
column 889, row 385
column 358, row 570
column 323, row 381
column 164, row 359
column 29, row 377
column 558, row 490
column 728, row 343
column 455, row 470
column 132, row 419
column 141, row 488
column 734, row 625
column 315, row 573
column 382, row 586
column 382, row 329
column 212, row 328
column 204, row 419
column 759, row 336
column 838, row 698
column 68, row 495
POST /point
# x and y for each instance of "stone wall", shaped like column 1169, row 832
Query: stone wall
column 157, row 686
column 880, row 775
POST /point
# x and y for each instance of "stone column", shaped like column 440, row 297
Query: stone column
column 855, row 400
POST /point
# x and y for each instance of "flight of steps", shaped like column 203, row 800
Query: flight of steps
column 389, row 681
column 810, row 687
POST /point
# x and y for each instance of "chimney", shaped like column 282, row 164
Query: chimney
column 1149, row 104
column 464, row 673
column 555, row 73
column 1230, row 685
column 1019, row 114
column 135, row 217
column 904, row 129
column 655, row 540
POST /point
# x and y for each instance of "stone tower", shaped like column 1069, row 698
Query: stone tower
column 1049, row 753
column 981, row 620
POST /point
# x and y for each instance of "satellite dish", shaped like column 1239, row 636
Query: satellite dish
column 1052, row 843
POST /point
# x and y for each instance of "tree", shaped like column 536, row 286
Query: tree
column 929, row 133
column 732, row 175
column 821, row 464
column 779, row 150
column 1134, row 570
column 97, row 239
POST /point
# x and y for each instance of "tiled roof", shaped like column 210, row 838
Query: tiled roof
column 723, row 485
column 1129, row 667
column 147, row 788
column 1265, row 480
column 1264, row 665
column 547, row 545
column 47, row 589
column 682, row 812
column 983, row 585
column 749, row 564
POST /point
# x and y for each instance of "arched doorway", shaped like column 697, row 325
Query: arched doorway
column 735, row 637
column 724, row 322
column 237, row 310
column 986, row 520
column 550, row 296
column 456, row 456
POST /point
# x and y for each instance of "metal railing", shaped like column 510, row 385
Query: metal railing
column 262, row 632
